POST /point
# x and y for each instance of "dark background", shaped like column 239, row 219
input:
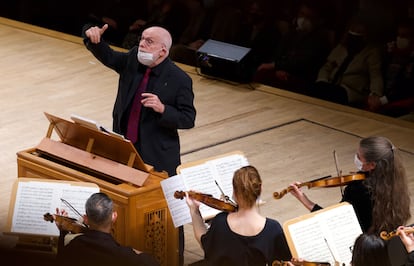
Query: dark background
column 70, row 16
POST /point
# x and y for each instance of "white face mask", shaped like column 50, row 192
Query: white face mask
column 402, row 43
column 304, row 24
column 359, row 165
column 145, row 58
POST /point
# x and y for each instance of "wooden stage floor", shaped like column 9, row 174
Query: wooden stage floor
column 288, row 137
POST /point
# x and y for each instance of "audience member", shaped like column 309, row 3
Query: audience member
column 221, row 23
column 381, row 201
column 97, row 246
column 172, row 15
column 194, row 35
column 243, row 237
column 118, row 14
column 398, row 99
column 300, row 53
column 352, row 73
column 258, row 31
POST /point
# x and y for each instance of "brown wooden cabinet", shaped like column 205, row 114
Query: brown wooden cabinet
column 84, row 154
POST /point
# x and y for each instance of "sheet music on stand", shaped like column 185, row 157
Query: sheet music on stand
column 326, row 235
column 93, row 125
column 211, row 176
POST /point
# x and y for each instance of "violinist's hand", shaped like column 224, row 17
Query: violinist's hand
column 61, row 212
column 406, row 238
column 193, row 204
column 297, row 193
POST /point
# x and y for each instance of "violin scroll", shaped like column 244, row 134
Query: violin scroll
column 279, row 195
column 388, row 235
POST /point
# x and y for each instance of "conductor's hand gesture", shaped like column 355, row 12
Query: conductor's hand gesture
column 95, row 33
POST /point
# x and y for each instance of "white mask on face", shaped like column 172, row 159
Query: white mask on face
column 145, row 58
column 402, row 43
column 304, row 24
column 358, row 163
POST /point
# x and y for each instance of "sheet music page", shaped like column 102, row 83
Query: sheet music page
column 34, row 199
column 224, row 169
column 308, row 236
column 200, row 178
column 343, row 228
column 327, row 235
column 179, row 210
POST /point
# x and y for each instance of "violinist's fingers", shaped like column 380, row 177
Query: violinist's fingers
column 192, row 203
column 294, row 189
column 137, row 251
column 61, row 212
column 407, row 239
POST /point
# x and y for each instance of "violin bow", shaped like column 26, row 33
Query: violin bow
column 338, row 171
column 72, row 208
column 224, row 196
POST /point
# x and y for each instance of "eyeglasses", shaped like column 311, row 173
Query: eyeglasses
column 148, row 41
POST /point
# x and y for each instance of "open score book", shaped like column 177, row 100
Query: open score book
column 33, row 197
column 201, row 176
column 327, row 235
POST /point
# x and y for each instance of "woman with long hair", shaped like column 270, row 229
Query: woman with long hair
column 381, row 201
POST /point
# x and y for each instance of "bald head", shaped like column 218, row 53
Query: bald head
column 161, row 34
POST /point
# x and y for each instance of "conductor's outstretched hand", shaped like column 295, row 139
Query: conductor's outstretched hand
column 95, row 33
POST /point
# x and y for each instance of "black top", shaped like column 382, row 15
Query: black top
column 222, row 246
column 410, row 259
column 98, row 248
column 357, row 194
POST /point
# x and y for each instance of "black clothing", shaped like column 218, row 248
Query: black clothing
column 158, row 140
column 99, row 248
column 222, row 246
column 358, row 195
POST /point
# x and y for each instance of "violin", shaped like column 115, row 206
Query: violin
column 388, row 235
column 67, row 223
column 208, row 200
column 299, row 263
column 326, row 181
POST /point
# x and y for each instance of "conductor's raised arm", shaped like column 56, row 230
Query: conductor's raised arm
column 95, row 33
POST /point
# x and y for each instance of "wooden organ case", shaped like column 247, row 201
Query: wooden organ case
column 88, row 154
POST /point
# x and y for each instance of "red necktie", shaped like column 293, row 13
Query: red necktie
column 133, row 121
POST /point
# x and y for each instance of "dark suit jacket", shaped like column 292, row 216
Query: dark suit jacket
column 158, row 141
column 99, row 248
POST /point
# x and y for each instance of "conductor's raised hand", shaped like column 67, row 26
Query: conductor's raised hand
column 95, row 33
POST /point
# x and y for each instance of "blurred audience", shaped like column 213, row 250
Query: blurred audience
column 352, row 73
column 398, row 99
column 306, row 46
column 300, row 53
